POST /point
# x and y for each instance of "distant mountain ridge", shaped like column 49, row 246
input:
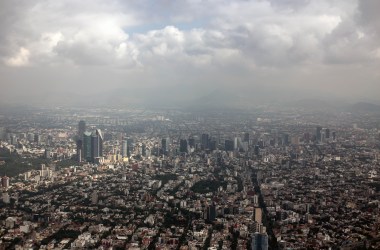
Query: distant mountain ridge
column 312, row 104
column 364, row 107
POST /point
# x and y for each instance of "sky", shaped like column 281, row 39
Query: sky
column 170, row 52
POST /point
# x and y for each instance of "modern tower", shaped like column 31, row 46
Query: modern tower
column 87, row 146
column 37, row 139
column 259, row 241
column 130, row 147
column 165, row 145
column 124, row 148
column 183, row 146
column 318, row 133
column 246, row 137
column 229, row 145
column 327, row 133
column 81, row 128
column 205, row 141
column 79, row 150
column 96, row 144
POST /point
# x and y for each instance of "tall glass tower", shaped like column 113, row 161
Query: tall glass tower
column 96, row 144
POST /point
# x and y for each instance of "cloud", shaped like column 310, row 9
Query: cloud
column 190, row 44
column 21, row 58
column 266, row 33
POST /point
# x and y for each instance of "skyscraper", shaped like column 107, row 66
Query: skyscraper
column 81, row 128
column 246, row 137
column 327, row 133
column 212, row 145
column 165, row 145
column 191, row 142
column 205, row 141
column 318, row 134
column 124, row 148
column 183, row 146
column 256, row 150
column 87, row 146
column 13, row 140
column 37, row 139
column 259, row 241
column 79, row 149
column 96, row 144
column 130, row 147
column 229, row 145
column 211, row 212
column 47, row 154
column 285, row 138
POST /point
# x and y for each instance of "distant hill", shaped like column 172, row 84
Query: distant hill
column 224, row 100
column 312, row 104
column 215, row 99
column 364, row 107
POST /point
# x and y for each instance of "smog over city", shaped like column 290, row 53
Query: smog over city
column 194, row 124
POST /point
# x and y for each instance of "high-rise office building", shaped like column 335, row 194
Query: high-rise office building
column 306, row 137
column 130, row 147
column 205, row 141
column 37, row 139
column 49, row 140
column 236, row 143
column 165, row 145
column 124, row 148
column 259, row 241
column 191, row 142
column 30, row 137
column 81, row 128
column 246, row 137
column 47, row 154
column 229, row 145
column 256, row 150
column 183, row 146
column 285, row 139
column 318, row 134
column 87, row 146
column 327, row 133
column 13, row 140
column 96, row 144
column 79, row 150
column 80, row 140
column 43, row 170
column 213, row 145
column 211, row 212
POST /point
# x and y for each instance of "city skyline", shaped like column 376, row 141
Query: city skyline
column 173, row 179
column 170, row 53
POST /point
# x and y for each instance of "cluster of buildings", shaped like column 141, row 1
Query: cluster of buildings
column 149, row 203
column 183, row 181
